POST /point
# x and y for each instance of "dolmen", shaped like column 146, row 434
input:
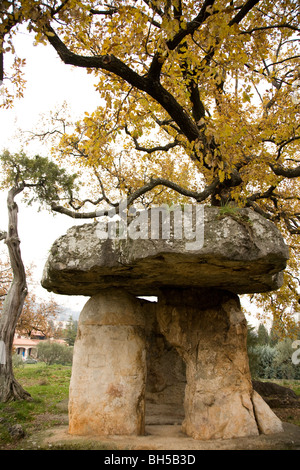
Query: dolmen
column 189, row 347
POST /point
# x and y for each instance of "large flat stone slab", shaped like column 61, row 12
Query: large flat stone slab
column 241, row 253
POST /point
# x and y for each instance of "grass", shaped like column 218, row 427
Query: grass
column 293, row 384
column 49, row 389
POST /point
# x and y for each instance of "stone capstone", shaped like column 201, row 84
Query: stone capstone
column 243, row 254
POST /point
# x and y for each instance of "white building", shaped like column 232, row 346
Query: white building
column 25, row 347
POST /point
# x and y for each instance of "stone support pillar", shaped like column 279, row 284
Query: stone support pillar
column 109, row 367
column 209, row 331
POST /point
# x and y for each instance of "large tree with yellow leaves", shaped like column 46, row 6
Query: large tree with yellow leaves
column 200, row 101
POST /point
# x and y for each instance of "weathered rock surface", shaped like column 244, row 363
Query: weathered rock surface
column 242, row 254
column 107, row 386
column 209, row 331
column 267, row 421
column 166, row 374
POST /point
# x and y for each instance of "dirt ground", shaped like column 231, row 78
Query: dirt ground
column 170, row 437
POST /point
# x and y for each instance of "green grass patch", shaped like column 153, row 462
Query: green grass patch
column 48, row 387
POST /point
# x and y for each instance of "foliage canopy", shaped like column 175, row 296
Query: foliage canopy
column 200, row 100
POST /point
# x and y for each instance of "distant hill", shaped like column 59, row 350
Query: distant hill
column 66, row 313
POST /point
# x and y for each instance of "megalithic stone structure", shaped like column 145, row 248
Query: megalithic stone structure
column 107, row 389
column 198, row 313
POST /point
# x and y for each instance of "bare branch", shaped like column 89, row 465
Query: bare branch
column 158, row 148
column 263, row 28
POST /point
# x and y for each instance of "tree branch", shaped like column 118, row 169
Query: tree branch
column 114, row 65
column 113, row 10
column 158, row 148
column 191, row 27
column 266, row 195
column 262, row 28
column 171, row 44
column 198, row 196
column 291, row 225
column 243, row 12
column 279, row 170
column 189, row 76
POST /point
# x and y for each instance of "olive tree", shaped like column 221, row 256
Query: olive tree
column 45, row 182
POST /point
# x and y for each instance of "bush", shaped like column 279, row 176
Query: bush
column 54, row 353
column 282, row 362
column 273, row 362
column 265, row 355
column 17, row 361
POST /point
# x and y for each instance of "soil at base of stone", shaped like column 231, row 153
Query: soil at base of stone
column 170, row 437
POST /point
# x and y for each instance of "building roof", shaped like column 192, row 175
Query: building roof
column 24, row 342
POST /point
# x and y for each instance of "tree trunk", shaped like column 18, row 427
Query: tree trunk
column 10, row 389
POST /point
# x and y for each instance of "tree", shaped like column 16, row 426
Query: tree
column 46, row 181
column 71, row 331
column 265, row 355
column 54, row 353
column 37, row 315
column 200, row 99
column 282, row 362
column 252, row 342
column 262, row 335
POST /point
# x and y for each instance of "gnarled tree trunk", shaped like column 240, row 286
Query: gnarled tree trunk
column 10, row 389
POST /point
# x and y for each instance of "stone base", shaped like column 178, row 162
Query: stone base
column 209, row 331
column 206, row 327
column 107, row 386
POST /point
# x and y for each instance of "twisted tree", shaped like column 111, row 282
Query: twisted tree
column 46, row 181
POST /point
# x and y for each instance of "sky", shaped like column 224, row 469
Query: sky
column 49, row 84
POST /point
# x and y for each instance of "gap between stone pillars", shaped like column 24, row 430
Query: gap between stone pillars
column 209, row 331
column 107, row 387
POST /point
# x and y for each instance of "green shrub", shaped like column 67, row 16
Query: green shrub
column 17, row 361
column 265, row 356
column 54, row 353
column 273, row 362
column 282, row 362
